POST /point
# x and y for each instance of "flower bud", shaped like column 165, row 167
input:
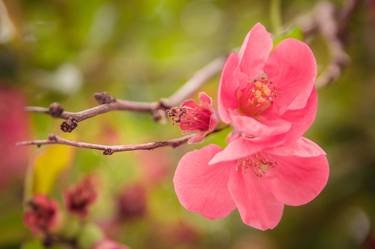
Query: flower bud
column 80, row 197
column 196, row 118
column 132, row 203
column 42, row 214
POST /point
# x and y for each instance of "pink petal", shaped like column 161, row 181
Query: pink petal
column 255, row 51
column 197, row 138
column 302, row 119
column 213, row 123
column 255, row 128
column 202, row 188
column 189, row 103
column 292, row 69
column 257, row 205
column 298, row 180
column 227, row 88
column 302, row 148
column 205, row 100
column 236, row 149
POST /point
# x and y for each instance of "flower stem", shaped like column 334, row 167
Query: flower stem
column 275, row 15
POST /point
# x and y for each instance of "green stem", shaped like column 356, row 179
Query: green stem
column 275, row 15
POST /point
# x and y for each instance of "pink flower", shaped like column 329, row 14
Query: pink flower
column 258, row 182
column 79, row 198
column 198, row 118
column 132, row 203
column 42, row 214
column 268, row 95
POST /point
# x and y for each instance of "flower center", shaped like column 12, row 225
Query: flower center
column 256, row 96
column 191, row 118
column 257, row 163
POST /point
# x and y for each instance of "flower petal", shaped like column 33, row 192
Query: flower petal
column 302, row 148
column 257, row 205
column 298, row 180
column 292, row 69
column 252, row 127
column 227, row 88
column 205, row 100
column 202, row 188
column 301, row 119
column 197, row 138
column 236, row 149
column 255, row 51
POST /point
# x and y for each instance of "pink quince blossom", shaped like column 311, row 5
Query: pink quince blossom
column 257, row 181
column 197, row 118
column 266, row 93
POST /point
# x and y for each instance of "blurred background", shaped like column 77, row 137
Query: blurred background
column 64, row 51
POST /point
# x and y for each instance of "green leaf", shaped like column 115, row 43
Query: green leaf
column 48, row 165
column 295, row 33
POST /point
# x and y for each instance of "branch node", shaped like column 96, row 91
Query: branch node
column 52, row 138
column 108, row 152
column 55, row 110
column 163, row 104
column 69, row 125
column 104, row 98
column 159, row 113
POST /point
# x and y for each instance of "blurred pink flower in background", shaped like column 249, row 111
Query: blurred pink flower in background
column 268, row 95
column 108, row 244
column 198, row 118
column 181, row 233
column 13, row 128
column 42, row 214
column 80, row 197
column 131, row 203
column 108, row 133
column 174, row 234
column 258, row 183
column 155, row 166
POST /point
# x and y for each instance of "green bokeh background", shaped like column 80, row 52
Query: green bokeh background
column 65, row 50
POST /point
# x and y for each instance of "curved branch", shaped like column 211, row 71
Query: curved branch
column 110, row 149
column 196, row 82
column 332, row 24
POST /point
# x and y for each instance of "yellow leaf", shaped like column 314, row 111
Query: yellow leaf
column 48, row 165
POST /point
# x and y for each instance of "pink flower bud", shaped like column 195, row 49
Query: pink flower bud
column 132, row 203
column 196, row 118
column 42, row 214
column 80, row 197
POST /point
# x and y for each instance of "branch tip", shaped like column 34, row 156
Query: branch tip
column 55, row 110
column 104, row 98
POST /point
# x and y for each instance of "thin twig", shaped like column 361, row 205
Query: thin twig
column 196, row 82
column 332, row 24
column 110, row 149
column 51, row 240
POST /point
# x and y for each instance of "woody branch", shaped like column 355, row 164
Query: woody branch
column 110, row 149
